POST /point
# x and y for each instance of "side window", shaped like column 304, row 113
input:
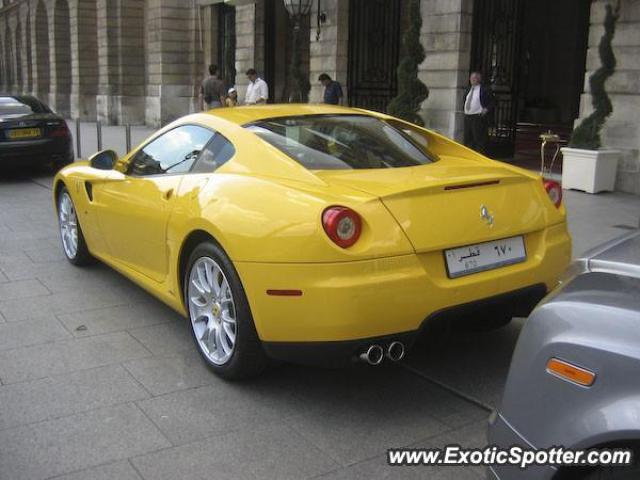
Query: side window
column 173, row 152
column 218, row 152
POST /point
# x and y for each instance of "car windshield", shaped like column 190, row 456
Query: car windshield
column 340, row 142
column 16, row 106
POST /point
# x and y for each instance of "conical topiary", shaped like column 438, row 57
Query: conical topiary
column 411, row 91
column 587, row 134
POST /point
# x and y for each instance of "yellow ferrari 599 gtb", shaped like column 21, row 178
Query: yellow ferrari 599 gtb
column 314, row 234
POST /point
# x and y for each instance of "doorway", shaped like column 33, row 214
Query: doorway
column 278, row 49
column 374, row 46
column 533, row 55
column 227, row 44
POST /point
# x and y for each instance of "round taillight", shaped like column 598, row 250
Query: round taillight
column 554, row 190
column 342, row 225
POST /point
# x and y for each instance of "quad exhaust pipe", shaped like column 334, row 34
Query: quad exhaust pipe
column 375, row 354
column 395, row 351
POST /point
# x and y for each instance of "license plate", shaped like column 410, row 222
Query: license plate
column 23, row 133
column 484, row 256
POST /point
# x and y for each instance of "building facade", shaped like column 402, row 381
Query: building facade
column 141, row 61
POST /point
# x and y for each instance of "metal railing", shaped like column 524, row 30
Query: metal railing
column 115, row 138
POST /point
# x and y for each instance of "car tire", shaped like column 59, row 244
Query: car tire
column 222, row 326
column 74, row 245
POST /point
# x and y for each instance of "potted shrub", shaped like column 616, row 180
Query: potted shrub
column 586, row 165
column 411, row 90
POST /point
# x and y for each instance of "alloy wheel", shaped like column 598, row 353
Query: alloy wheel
column 68, row 225
column 212, row 310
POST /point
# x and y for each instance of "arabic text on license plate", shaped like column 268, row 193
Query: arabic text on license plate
column 485, row 256
column 24, row 133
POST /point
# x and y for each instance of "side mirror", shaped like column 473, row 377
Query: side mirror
column 104, row 160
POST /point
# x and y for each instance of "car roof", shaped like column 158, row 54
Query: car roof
column 253, row 113
column 20, row 98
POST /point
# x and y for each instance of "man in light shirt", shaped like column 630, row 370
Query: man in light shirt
column 478, row 106
column 257, row 91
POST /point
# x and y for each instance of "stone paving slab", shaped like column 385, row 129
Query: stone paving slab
column 118, row 318
column 121, row 470
column 89, row 298
column 22, row 289
column 39, row 361
column 166, row 338
column 34, row 331
column 67, row 394
column 42, row 450
column 273, row 452
column 165, row 374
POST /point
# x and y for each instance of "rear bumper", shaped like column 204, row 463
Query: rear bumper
column 36, row 152
column 340, row 353
column 503, row 436
column 386, row 296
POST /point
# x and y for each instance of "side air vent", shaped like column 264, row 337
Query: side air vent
column 89, row 188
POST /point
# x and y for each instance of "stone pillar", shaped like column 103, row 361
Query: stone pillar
column 245, row 45
column 622, row 130
column 84, row 59
column 329, row 54
column 59, row 57
column 7, row 73
column 174, row 60
column 3, row 67
column 446, row 36
column 40, row 49
column 209, row 19
column 9, row 58
column 13, row 51
column 25, row 58
column 121, row 60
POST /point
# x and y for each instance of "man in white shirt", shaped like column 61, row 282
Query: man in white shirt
column 478, row 104
column 257, row 91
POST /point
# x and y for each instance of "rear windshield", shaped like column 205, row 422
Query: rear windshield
column 341, row 142
column 21, row 106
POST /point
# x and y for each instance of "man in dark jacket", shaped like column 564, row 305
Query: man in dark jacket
column 332, row 90
column 478, row 109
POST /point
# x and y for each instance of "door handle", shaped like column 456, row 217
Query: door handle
column 167, row 194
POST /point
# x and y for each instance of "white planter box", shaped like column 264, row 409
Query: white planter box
column 591, row 171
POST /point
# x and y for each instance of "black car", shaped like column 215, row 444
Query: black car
column 31, row 134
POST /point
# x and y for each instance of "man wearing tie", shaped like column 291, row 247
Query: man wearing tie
column 478, row 106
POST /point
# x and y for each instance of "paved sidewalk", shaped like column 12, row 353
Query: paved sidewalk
column 99, row 380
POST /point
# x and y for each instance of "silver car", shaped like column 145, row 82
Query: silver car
column 574, row 379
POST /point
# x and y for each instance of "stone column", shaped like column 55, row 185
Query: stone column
column 10, row 54
column 121, row 60
column 329, row 54
column 59, row 58
column 174, row 60
column 446, row 36
column 622, row 130
column 39, row 61
column 84, row 59
column 209, row 19
column 13, row 46
column 25, row 59
column 246, row 33
column 3, row 66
